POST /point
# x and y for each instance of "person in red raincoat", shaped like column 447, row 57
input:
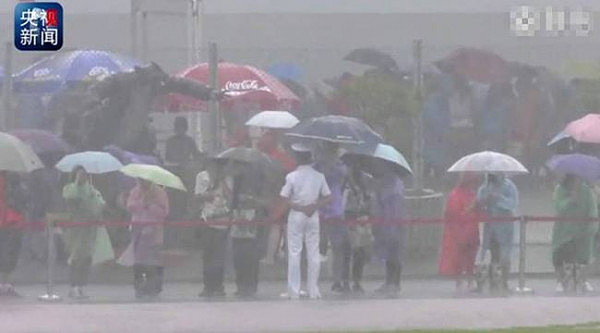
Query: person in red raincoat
column 461, row 232
column 277, row 208
column 13, row 203
column 268, row 144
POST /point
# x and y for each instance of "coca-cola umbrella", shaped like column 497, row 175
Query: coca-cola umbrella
column 476, row 65
column 239, row 84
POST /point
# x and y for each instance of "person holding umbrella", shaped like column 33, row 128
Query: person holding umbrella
column 248, row 203
column 332, row 214
column 573, row 242
column 147, row 202
column 499, row 198
column 84, row 204
column 148, row 205
column 212, row 191
column 387, row 206
column 305, row 192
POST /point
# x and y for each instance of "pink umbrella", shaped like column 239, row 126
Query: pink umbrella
column 586, row 129
column 240, row 84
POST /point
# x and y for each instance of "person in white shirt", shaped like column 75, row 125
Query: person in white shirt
column 305, row 191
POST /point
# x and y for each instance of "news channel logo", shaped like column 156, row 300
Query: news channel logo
column 38, row 26
column 531, row 21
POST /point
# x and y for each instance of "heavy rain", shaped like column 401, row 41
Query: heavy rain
column 299, row 166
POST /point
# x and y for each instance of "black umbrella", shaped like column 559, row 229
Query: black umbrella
column 372, row 57
column 339, row 129
column 253, row 157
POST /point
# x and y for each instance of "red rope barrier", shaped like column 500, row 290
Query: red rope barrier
column 39, row 225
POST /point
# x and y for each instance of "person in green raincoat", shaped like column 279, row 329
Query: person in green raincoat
column 84, row 204
column 573, row 242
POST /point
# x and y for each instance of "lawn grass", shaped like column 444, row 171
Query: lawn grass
column 591, row 328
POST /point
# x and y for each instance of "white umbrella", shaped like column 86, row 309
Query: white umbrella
column 488, row 162
column 273, row 119
column 17, row 156
column 95, row 162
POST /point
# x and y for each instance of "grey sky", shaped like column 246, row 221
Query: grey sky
column 326, row 6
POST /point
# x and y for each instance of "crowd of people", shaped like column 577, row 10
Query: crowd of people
column 307, row 210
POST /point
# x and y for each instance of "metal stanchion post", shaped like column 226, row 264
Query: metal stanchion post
column 50, row 296
column 522, row 289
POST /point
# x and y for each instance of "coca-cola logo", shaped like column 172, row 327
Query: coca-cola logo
column 244, row 85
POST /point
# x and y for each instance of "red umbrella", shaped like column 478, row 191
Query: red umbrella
column 241, row 84
column 476, row 65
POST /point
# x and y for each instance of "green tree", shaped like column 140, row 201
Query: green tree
column 386, row 102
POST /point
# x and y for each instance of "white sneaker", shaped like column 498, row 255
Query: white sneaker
column 559, row 288
column 315, row 297
column 289, row 296
column 323, row 258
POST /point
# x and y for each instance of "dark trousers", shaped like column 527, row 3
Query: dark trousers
column 147, row 279
column 359, row 259
column 10, row 248
column 393, row 269
column 565, row 254
column 214, row 246
column 246, row 258
column 79, row 271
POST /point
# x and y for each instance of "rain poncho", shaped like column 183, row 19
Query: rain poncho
column 146, row 240
column 461, row 231
column 85, row 204
column 503, row 203
column 387, row 204
column 582, row 233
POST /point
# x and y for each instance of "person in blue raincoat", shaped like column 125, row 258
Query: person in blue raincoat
column 498, row 197
column 388, row 208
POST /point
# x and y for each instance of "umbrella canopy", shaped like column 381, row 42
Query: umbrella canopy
column 52, row 73
column 42, row 142
column 584, row 166
column 335, row 128
column 372, row 57
column 285, row 71
column 273, row 119
column 95, row 162
column 240, row 84
column 245, row 155
column 153, row 174
column 476, row 65
column 586, row 129
column 488, row 162
column 383, row 152
column 17, row 156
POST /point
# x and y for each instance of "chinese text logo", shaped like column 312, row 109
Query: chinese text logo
column 38, row 26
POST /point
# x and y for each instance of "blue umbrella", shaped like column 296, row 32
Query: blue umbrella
column 584, row 166
column 95, row 162
column 285, row 71
column 52, row 73
column 383, row 152
column 339, row 129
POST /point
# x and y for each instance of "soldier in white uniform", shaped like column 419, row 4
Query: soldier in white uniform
column 306, row 191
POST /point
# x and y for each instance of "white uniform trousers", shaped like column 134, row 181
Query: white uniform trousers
column 302, row 229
